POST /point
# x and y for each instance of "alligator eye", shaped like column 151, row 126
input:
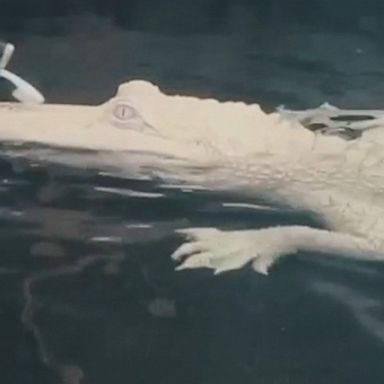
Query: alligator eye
column 124, row 112
column 124, row 116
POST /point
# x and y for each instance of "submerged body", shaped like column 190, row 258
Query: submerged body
column 233, row 146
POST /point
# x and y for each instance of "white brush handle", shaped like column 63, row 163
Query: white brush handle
column 6, row 54
column 24, row 91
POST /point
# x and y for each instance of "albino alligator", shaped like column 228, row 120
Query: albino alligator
column 298, row 159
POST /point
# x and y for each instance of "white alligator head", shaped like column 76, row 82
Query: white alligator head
column 142, row 119
column 140, row 107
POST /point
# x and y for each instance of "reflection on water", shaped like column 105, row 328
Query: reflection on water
column 89, row 293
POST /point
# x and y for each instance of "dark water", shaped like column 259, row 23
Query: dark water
column 88, row 292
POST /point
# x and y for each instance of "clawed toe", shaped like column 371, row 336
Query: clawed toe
column 187, row 249
column 262, row 265
column 200, row 260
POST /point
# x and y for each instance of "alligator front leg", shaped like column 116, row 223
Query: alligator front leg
column 227, row 250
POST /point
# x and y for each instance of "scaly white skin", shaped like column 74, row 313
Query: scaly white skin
column 241, row 148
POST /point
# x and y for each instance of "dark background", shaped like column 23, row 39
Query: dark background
column 299, row 52
column 196, row 16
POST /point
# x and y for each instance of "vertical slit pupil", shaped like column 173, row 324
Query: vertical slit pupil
column 124, row 112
